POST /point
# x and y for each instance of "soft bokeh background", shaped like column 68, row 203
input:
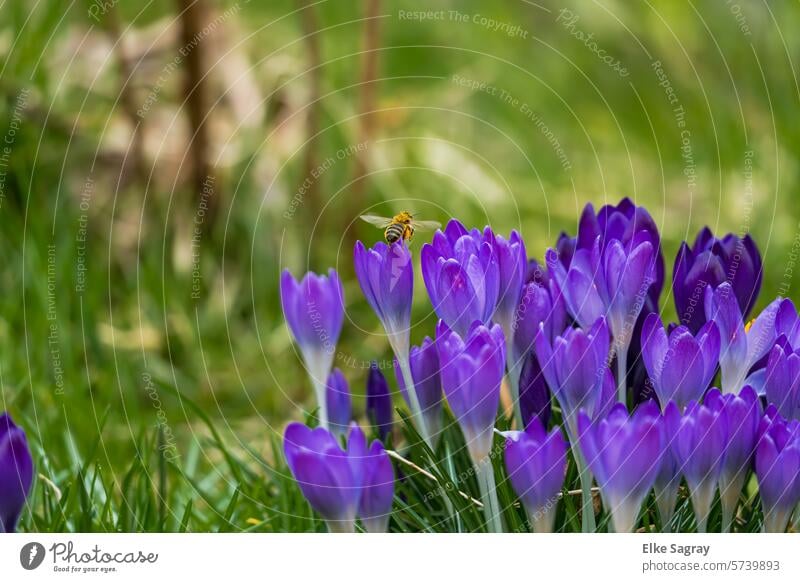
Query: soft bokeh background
column 162, row 161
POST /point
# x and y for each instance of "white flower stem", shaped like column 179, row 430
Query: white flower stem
column 588, row 524
column 491, row 507
column 341, row 526
column 622, row 373
column 319, row 391
column 416, row 409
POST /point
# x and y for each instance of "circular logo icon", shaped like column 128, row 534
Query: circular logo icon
column 31, row 555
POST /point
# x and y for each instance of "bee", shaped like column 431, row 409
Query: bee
column 401, row 226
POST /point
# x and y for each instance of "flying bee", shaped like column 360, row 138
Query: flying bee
column 400, row 226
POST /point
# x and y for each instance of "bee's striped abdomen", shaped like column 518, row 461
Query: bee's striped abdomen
column 394, row 232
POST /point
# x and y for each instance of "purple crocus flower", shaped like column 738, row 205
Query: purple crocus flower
column 340, row 484
column 782, row 380
column 471, row 371
column 710, row 262
column 667, row 482
column 314, row 312
column 741, row 348
column 375, row 505
column 536, row 463
column 541, row 304
column 534, row 397
column 612, row 281
column 778, row 469
column 424, row 361
column 575, row 366
column 628, row 224
column 379, row 401
column 16, row 473
column 624, row 453
column 681, row 366
column 329, row 477
column 386, row 275
column 462, row 274
column 743, row 413
column 512, row 265
column 337, row 397
column 700, row 438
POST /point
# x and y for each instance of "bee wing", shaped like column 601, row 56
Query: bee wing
column 379, row 221
column 426, row 224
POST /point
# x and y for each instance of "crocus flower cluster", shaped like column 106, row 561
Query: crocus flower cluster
column 16, row 473
column 555, row 333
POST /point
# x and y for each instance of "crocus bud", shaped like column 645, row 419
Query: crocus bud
column 16, row 473
column 462, row 275
column 314, row 312
column 424, row 362
column 534, row 397
column 536, row 464
column 624, row 454
column 386, row 276
column 512, row 265
column 337, row 396
column 379, row 401
column 778, row 469
column 743, row 413
column 375, row 506
column 575, row 367
column 709, row 263
column 681, row 366
column 541, row 305
column 471, row 370
column 699, row 438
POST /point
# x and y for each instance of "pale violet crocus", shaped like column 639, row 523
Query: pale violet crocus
column 471, row 371
column 537, row 463
column 741, row 346
column 314, row 312
column 743, row 413
column 337, row 398
column 386, row 276
column 624, row 453
column 575, row 366
column 512, row 266
column 424, row 361
column 777, row 463
column 700, row 437
column 680, row 365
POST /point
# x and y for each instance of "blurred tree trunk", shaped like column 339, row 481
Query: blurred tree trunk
column 194, row 15
column 310, row 24
column 366, row 119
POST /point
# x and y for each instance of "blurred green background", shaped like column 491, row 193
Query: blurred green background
column 163, row 161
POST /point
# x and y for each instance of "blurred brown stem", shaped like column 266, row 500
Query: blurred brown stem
column 310, row 24
column 194, row 15
column 127, row 98
column 366, row 118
